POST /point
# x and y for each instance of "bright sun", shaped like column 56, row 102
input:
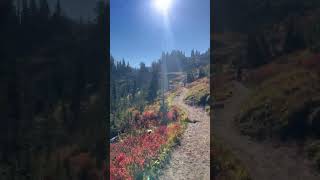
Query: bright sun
column 163, row 5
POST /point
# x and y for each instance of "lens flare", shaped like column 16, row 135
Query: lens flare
column 163, row 5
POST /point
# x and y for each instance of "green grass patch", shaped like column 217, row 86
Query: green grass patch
column 170, row 98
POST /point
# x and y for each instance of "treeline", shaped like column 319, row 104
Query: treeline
column 134, row 88
column 177, row 60
column 32, row 24
column 130, row 88
column 293, row 34
column 243, row 16
column 273, row 27
column 53, row 92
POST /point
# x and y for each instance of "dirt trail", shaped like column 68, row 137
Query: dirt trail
column 191, row 160
column 264, row 161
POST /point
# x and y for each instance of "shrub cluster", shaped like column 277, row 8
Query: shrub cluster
column 141, row 152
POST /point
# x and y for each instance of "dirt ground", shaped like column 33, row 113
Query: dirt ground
column 191, row 160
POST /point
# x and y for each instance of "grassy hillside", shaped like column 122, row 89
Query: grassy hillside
column 282, row 105
column 285, row 104
column 285, row 94
column 199, row 93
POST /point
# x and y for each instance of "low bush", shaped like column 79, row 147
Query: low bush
column 142, row 153
column 131, row 157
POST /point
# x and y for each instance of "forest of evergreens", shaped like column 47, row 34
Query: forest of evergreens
column 271, row 28
column 53, row 92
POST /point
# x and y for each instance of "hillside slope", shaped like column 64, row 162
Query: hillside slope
column 263, row 159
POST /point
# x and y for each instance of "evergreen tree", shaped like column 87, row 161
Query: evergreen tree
column 294, row 39
column 9, row 24
column 44, row 11
column 256, row 50
column 192, row 54
column 197, row 54
column 34, row 20
column 8, row 13
column 153, row 88
column 25, row 14
column 201, row 73
column 143, row 67
column 57, row 12
column 134, row 89
column 33, row 9
column 113, row 93
column 190, row 77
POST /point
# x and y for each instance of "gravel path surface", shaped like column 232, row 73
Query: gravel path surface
column 191, row 160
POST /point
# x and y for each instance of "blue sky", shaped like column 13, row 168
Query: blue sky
column 139, row 33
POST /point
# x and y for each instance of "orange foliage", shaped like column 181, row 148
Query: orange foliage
column 172, row 115
column 149, row 115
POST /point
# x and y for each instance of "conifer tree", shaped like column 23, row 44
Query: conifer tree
column 294, row 39
column 33, row 9
column 192, row 53
column 44, row 10
column 25, row 14
column 201, row 73
column 152, row 91
column 57, row 12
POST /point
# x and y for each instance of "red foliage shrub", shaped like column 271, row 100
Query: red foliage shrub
column 128, row 157
column 149, row 115
column 172, row 115
column 147, row 120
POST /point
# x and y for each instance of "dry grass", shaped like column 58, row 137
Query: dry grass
column 198, row 93
column 275, row 103
column 226, row 165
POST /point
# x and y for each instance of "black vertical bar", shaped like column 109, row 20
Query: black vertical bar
column 107, row 41
column 212, row 20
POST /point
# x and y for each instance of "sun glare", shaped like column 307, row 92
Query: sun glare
column 163, row 5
